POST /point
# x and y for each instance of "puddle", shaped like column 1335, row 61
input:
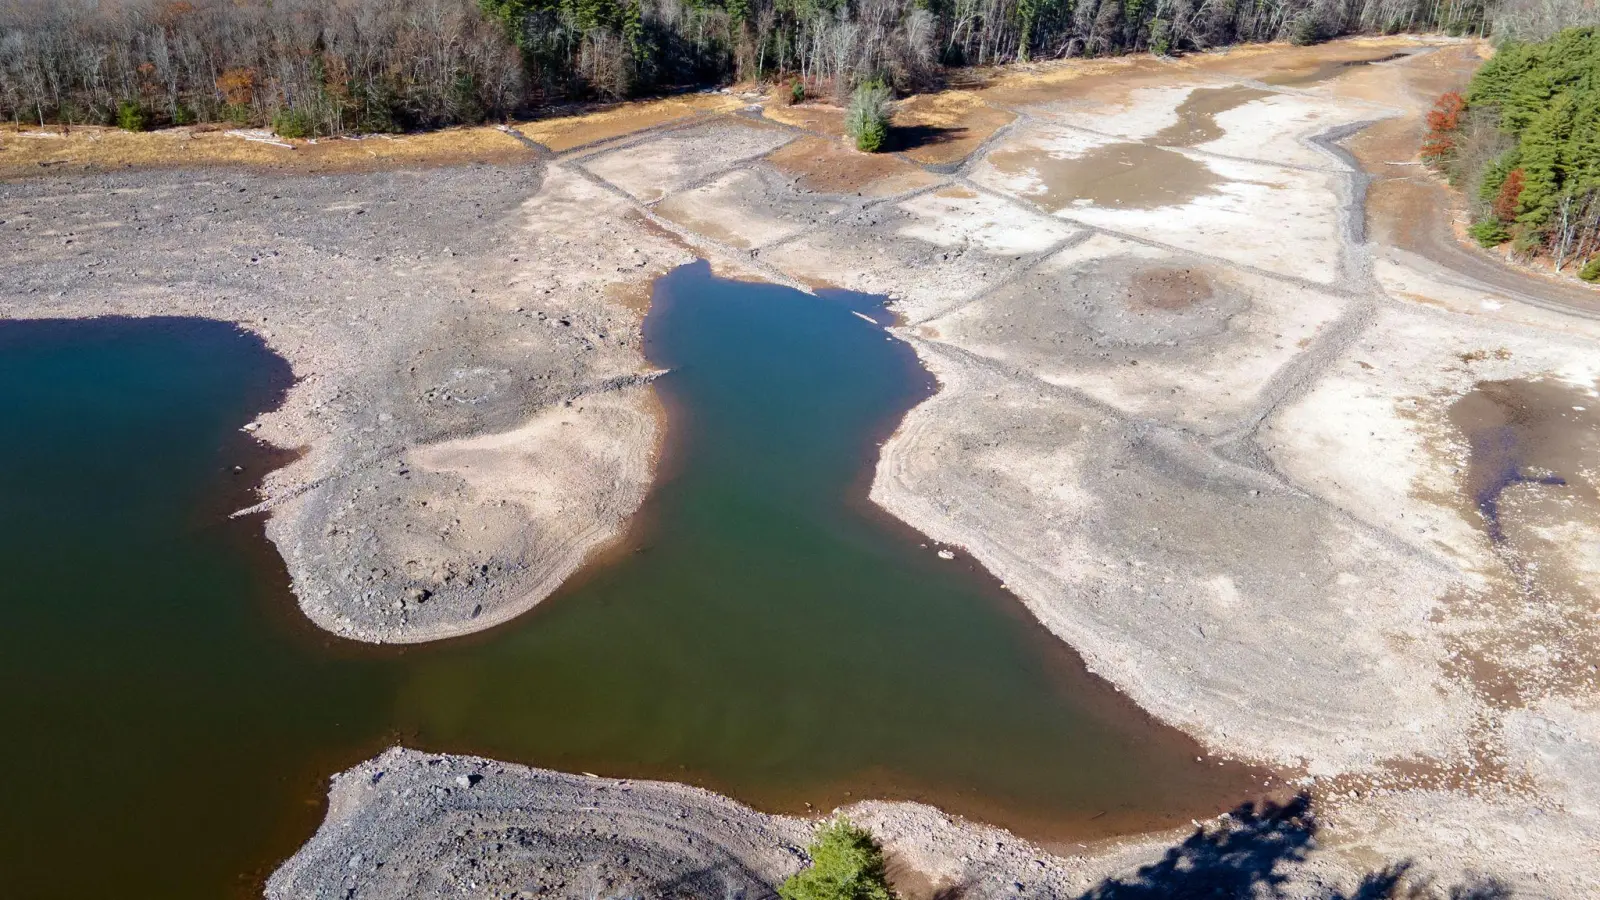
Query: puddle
column 1197, row 115
column 1325, row 70
column 1132, row 174
column 1123, row 175
column 1529, row 485
column 1525, row 433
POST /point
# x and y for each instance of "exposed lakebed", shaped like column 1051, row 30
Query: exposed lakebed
column 763, row 630
column 1119, row 174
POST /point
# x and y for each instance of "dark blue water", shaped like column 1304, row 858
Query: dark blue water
column 763, row 630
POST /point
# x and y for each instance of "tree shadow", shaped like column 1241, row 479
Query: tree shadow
column 1253, row 855
column 726, row 880
column 1396, row 882
column 1246, row 857
column 910, row 137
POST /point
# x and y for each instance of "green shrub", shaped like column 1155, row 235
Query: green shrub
column 237, row 114
column 293, row 123
column 1489, row 232
column 797, row 91
column 1307, row 30
column 1161, row 37
column 1525, row 242
column 464, row 97
column 867, row 120
column 131, row 116
column 183, row 115
column 1590, row 270
column 846, row 864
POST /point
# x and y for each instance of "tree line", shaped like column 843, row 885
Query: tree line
column 304, row 66
column 1524, row 143
column 332, row 66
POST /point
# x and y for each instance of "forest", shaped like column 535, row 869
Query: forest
column 1524, row 143
column 316, row 67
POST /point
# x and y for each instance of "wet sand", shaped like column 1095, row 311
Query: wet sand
column 1134, row 175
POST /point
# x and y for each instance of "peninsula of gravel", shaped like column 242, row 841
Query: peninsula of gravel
column 1221, row 400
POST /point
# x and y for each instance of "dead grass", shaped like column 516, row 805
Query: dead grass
column 939, row 129
column 1043, row 82
column 33, row 151
column 832, row 167
column 823, row 118
column 25, row 152
column 594, row 126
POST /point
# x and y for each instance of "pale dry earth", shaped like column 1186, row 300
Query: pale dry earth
column 470, row 399
column 1297, row 480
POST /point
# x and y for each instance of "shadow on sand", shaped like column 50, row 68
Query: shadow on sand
column 910, row 137
column 1256, row 854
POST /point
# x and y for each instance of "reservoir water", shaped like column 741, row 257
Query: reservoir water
column 763, row 630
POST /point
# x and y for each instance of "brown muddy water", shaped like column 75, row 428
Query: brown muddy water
column 1113, row 175
column 1197, row 115
column 1530, row 485
column 1132, row 174
column 764, row 630
column 1319, row 71
column 1539, row 438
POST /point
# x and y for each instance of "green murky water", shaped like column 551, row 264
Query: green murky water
column 764, row 631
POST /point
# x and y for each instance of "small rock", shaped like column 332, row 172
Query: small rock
column 946, row 554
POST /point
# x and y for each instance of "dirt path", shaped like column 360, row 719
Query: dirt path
column 1414, row 213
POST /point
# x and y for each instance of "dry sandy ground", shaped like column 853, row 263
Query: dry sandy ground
column 470, row 403
column 1296, row 480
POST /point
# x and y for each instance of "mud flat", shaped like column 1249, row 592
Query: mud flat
column 1324, row 502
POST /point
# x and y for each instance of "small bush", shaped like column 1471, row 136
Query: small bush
column 1161, row 37
column 846, row 864
column 1489, row 233
column 183, row 115
column 1526, row 242
column 293, row 123
column 464, row 97
column 867, row 121
column 1308, row 30
column 131, row 117
column 1590, row 270
column 797, row 92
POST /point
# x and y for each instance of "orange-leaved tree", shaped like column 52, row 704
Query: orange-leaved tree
column 1507, row 203
column 1443, row 121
